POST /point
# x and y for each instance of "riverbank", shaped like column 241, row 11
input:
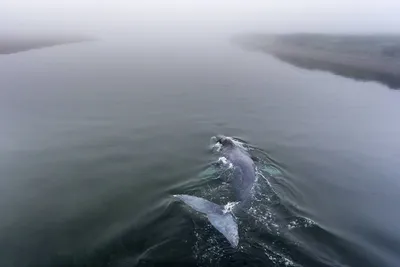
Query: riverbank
column 368, row 57
column 16, row 44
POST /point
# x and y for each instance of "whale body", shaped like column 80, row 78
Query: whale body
column 244, row 177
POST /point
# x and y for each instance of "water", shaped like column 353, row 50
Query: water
column 96, row 138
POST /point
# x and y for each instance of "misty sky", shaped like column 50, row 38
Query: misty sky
column 202, row 16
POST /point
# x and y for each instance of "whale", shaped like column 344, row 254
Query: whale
column 242, row 183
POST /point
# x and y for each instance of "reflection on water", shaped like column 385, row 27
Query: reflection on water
column 390, row 80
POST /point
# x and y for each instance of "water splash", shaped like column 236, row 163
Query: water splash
column 225, row 162
column 300, row 222
column 217, row 146
column 229, row 207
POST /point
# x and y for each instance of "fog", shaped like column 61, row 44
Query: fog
column 197, row 17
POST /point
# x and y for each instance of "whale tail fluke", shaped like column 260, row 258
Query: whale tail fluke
column 222, row 220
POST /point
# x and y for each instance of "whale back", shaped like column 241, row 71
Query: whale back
column 244, row 172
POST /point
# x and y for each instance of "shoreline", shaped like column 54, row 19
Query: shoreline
column 356, row 57
column 12, row 45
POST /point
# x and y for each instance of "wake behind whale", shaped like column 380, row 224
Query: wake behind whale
column 243, row 196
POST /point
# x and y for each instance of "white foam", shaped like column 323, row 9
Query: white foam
column 300, row 222
column 229, row 206
column 225, row 162
column 217, row 146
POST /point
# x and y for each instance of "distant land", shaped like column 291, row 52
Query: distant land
column 15, row 44
column 360, row 57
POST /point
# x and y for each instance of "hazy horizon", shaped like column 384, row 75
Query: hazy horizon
column 196, row 17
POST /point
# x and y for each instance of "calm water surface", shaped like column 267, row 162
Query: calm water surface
column 96, row 138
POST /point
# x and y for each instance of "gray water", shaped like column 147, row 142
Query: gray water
column 96, row 138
